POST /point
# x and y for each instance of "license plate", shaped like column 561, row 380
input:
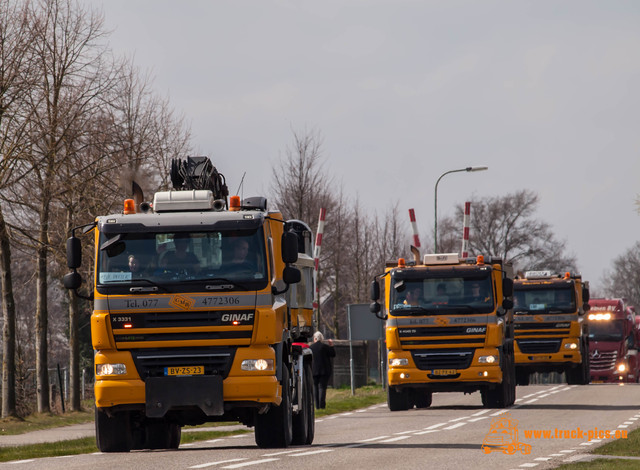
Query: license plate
column 444, row 372
column 186, row 370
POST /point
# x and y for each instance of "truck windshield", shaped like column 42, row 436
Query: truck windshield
column 433, row 295
column 543, row 299
column 606, row 330
column 144, row 258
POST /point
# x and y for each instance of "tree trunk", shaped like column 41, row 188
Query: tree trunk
column 74, row 354
column 42, row 320
column 9, row 328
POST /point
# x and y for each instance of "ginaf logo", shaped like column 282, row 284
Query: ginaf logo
column 503, row 437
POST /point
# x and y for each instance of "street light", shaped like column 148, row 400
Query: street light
column 435, row 227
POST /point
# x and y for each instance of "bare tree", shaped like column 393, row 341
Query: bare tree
column 15, row 79
column 624, row 278
column 505, row 226
column 300, row 186
column 66, row 52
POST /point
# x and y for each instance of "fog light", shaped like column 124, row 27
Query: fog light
column 394, row 362
column 485, row 374
column 622, row 368
column 257, row 364
column 571, row 346
column 404, row 376
column 488, row 359
column 110, row 369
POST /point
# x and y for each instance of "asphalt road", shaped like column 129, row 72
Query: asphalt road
column 448, row 435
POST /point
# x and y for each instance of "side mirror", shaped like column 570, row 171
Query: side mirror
column 74, row 252
column 374, row 307
column 375, row 292
column 507, row 304
column 72, row 280
column 291, row 275
column 507, row 287
column 585, row 295
column 289, row 247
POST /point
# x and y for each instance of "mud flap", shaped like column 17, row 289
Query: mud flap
column 164, row 393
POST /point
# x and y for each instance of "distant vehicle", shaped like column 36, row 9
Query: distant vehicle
column 613, row 336
column 550, row 328
column 449, row 328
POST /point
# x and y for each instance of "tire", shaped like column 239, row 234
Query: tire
column 157, row 435
column 175, row 434
column 397, row 400
column 504, row 395
column 311, row 430
column 113, row 433
column 274, row 428
column 422, row 399
column 304, row 420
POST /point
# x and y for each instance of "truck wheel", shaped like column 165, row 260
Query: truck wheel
column 422, row 399
column 304, row 420
column 397, row 400
column 311, row 430
column 113, row 433
column 275, row 428
column 586, row 364
column 504, row 395
column 158, row 435
column 175, row 434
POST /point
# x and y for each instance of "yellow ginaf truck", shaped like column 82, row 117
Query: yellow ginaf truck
column 449, row 328
column 551, row 329
column 201, row 306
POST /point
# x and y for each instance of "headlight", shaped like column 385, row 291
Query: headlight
column 257, row 364
column 571, row 346
column 398, row 362
column 488, row 359
column 622, row 368
column 111, row 369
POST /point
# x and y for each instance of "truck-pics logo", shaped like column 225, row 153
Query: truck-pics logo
column 182, row 302
column 503, row 437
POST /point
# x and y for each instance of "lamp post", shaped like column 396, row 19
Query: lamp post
column 435, row 225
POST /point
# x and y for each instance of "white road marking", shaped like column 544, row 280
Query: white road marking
column 394, row 439
column 457, row 425
column 211, row 464
column 311, row 452
column 253, row 462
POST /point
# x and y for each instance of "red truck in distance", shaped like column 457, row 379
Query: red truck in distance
column 613, row 341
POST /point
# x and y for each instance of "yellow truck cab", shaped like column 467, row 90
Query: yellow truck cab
column 551, row 330
column 448, row 328
column 199, row 308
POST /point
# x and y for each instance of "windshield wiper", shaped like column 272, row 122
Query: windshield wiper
column 466, row 306
column 154, row 286
column 218, row 283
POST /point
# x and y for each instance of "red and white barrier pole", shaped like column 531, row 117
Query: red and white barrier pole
column 316, row 262
column 465, row 229
column 414, row 226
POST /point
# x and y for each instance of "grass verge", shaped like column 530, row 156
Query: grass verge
column 338, row 401
column 629, row 447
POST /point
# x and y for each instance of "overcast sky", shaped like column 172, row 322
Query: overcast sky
column 544, row 93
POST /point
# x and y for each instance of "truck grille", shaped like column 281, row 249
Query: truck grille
column 130, row 330
column 531, row 329
column 152, row 362
column 537, row 346
column 443, row 359
column 603, row 360
column 424, row 336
